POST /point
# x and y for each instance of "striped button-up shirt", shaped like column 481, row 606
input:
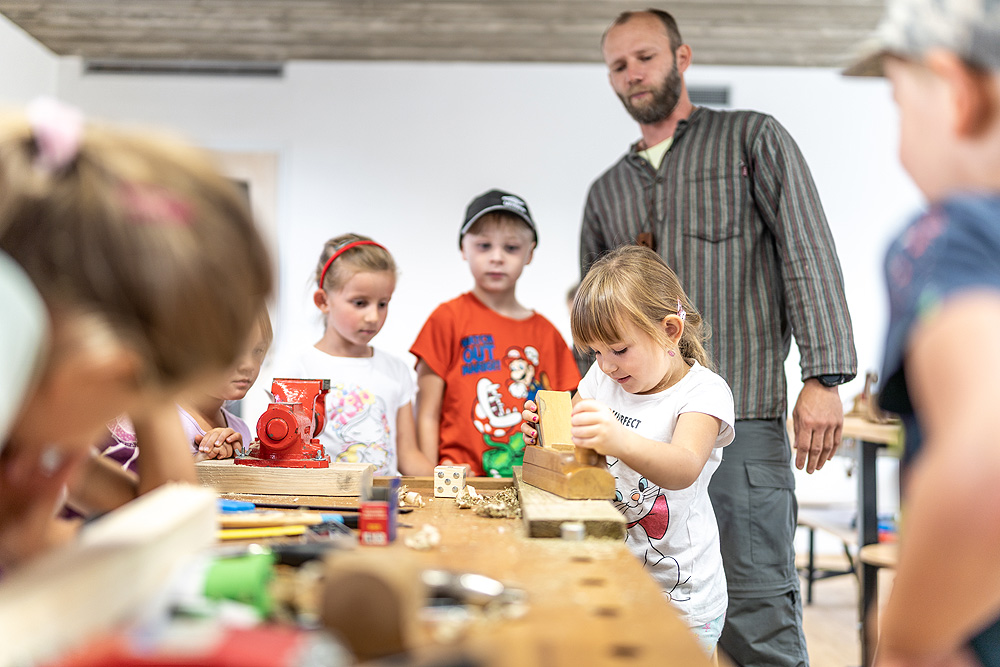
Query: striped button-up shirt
column 734, row 211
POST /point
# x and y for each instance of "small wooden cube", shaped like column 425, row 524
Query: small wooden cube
column 448, row 481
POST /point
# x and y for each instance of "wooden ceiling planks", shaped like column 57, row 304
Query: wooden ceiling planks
column 749, row 32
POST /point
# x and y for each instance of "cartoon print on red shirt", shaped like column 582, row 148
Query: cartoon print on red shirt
column 522, row 364
column 496, row 413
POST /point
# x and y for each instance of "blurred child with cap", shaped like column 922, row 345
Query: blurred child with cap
column 942, row 58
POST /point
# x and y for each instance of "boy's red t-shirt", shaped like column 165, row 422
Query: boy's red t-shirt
column 491, row 365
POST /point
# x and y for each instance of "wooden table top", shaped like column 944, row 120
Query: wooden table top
column 589, row 602
column 862, row 429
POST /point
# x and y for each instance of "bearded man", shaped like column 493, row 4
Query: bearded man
column 726, row 198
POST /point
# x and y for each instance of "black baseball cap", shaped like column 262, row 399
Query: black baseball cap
column 496, row 200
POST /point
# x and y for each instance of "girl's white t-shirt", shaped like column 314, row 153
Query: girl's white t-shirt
column 365, row 396
column 673, row 533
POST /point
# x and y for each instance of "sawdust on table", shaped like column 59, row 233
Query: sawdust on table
column 503, row 504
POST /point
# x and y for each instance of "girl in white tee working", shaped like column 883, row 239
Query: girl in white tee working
column 651, row 405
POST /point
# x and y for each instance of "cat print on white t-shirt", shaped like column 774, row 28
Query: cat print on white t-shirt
column 645, row 506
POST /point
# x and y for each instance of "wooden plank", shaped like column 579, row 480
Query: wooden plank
column 544, row 513
column 554, row 410
column 772, row 32
column 882, row 434
column 116, row 568
column 340, row 479
column 555, row 430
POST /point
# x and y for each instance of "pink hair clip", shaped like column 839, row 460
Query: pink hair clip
column 681, row 313
column 57, row 129
column 153, row 205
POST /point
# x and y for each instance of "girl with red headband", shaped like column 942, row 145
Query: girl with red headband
column 369, row 407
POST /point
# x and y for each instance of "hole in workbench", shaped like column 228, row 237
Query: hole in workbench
column 608, row 612
column 625, row 651
column 593, row 581
column 582, row 559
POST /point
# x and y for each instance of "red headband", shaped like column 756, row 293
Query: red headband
column 339, row 251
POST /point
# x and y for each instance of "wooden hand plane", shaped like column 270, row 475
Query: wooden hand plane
column 555, row 464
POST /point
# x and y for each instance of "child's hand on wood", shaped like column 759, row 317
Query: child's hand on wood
column 529, row 423
column 219, row 443
column 595, row 427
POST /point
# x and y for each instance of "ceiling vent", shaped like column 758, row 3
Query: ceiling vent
column 709, row 96
column 184, row 68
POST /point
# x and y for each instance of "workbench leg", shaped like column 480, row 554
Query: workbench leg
column 867, row 534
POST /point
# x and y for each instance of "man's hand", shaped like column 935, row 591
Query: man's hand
column 818, row 419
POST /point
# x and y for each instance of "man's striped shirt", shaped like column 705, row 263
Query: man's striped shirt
column 734, row 211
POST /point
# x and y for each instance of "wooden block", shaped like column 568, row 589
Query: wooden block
column 112, row 573
column 373, row 601
column 340, row 479
column 554, row 410
column 449, row 480
column 544, row 513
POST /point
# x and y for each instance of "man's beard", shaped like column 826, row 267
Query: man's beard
column 665, row 99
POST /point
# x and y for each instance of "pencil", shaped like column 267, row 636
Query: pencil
column 262, row 519
column 254, row 533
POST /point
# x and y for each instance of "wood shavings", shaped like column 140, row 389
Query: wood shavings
column 467, row 497
column 410, row 498
column 424, row 539
column 501, row 505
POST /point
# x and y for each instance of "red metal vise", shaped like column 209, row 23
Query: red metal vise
column 285, row 431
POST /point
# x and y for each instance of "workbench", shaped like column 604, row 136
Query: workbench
column 589, row 602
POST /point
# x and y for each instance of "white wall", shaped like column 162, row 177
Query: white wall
column 27, row 69
column 396, row 150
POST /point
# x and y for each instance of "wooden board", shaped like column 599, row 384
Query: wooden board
column 882, row 434
column 544, row 513
column 554, row 410
column 340, row 479
column 113, row 571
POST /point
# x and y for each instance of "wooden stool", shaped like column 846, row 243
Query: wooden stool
column 878, row 556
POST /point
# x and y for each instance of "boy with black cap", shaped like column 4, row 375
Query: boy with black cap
column 482, row 354
column 942, row 356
